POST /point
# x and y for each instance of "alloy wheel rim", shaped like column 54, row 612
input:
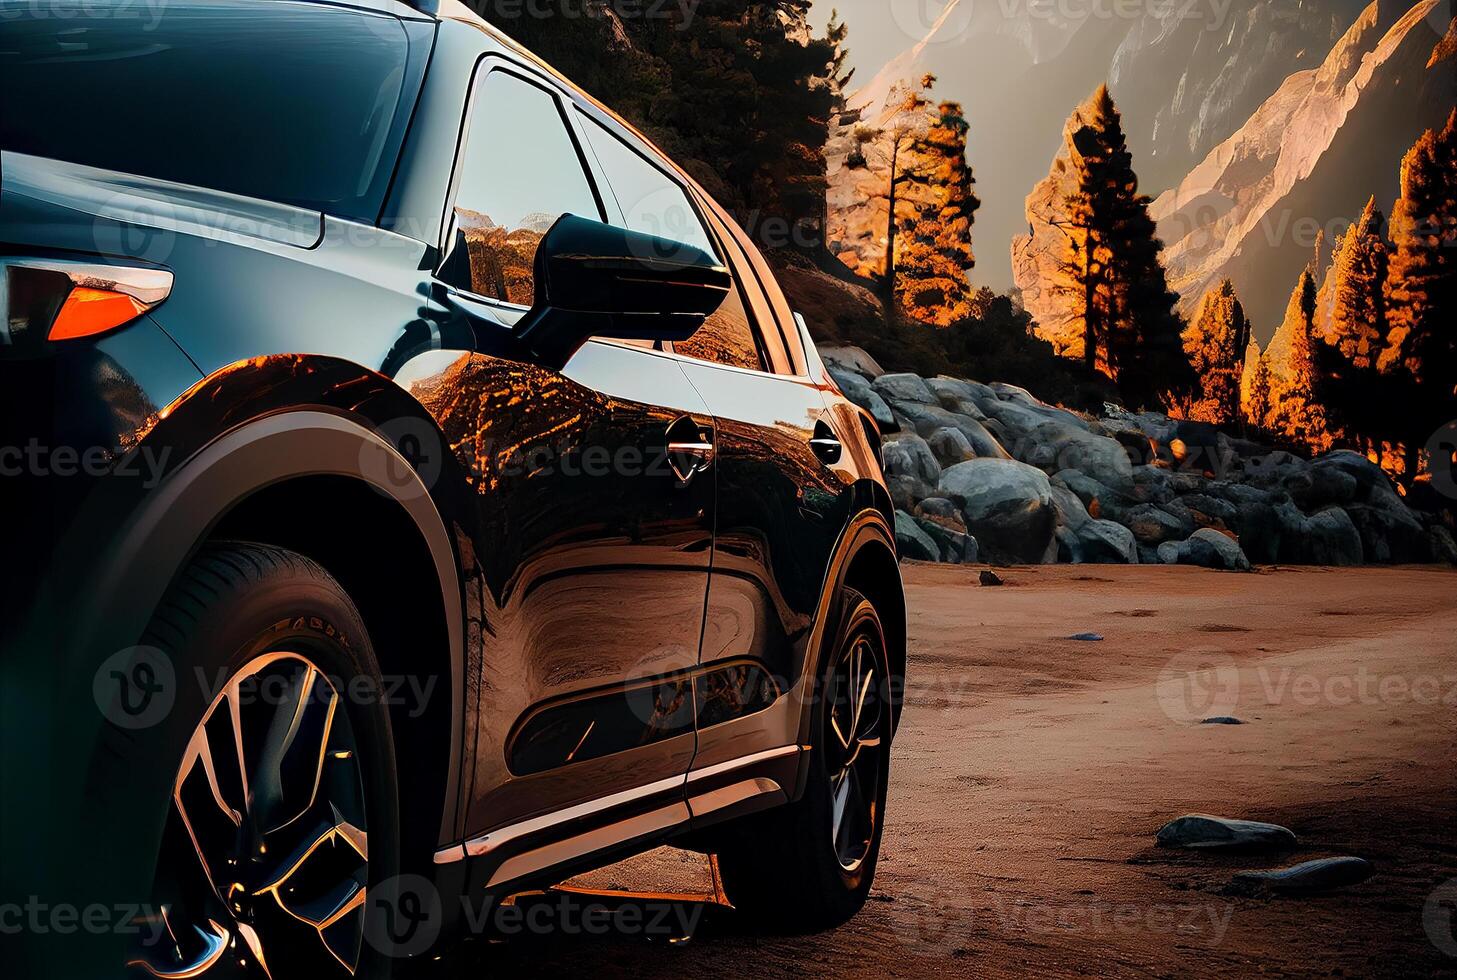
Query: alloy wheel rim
column 854, row 740
column 265, row 855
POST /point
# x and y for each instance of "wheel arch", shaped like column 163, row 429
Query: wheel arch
column 864, row 559
column 297, row 480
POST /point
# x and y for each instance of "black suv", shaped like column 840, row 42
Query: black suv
column 417, row 490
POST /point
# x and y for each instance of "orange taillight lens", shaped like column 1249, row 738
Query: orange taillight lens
column 60, row 299
column 89, row 311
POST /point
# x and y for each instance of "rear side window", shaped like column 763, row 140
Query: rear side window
column 654, row 203
column 520, row 172
column 297, row 103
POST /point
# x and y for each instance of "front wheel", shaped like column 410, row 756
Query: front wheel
column 809, row 866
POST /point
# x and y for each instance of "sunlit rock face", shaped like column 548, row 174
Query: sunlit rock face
column 1037, row 256
column 1308, row 160
column 1188, row 76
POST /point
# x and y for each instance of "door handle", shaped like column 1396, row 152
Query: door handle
column 825, row 444
column 690, row 449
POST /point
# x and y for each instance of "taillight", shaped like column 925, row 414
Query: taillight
column 65, row 299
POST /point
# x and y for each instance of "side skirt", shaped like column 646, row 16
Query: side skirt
column 544, row 850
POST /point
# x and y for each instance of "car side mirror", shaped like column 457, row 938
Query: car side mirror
column 597, row 280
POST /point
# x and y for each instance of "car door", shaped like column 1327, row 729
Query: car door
column 587, row 562
column 779, row 507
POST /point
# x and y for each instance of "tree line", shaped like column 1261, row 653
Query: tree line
column 1368, row 352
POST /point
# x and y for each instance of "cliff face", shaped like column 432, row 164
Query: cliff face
column 1307, row 161
column 1187, row 77
column 1037, row 255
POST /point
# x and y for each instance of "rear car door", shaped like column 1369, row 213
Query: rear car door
column 779, row 507
column 588, row 561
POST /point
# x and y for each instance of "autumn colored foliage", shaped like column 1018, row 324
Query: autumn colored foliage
column 1216, row 343
column 936, row 257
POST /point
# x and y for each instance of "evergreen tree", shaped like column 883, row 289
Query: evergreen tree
column 1113, row 266
column 742, row 100
column 1254, row 387
column 1421, row 287
column 1358, row 276
column 1216, row 344
column 931, row 269
column 1351, row 331
column 894, row 147
column 837, row 75
column 1295, row 410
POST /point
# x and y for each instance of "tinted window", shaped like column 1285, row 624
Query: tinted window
column 297, row 103
column 654, row 203
column 520, row 173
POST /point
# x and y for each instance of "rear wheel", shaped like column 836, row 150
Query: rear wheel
column 284, row 809
column 809, row 866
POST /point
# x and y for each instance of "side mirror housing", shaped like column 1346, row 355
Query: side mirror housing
column 597, row 280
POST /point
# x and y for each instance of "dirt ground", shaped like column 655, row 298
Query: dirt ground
column 1032, row 771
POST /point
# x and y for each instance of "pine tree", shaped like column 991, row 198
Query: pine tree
column 1295, row 410
column 894, row 147
column 931, row 273
column 837, row 76
column 1421, row 287
column 1216, row 344
column 1358, row 276
column 1254, row 387
column 1113, row 263
column 742, row 100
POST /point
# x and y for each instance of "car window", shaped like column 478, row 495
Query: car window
column 654, row 203
column 298, row 103
column 651, row 201
column 520, row 172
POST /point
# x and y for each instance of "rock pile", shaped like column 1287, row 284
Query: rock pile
column 988, row 472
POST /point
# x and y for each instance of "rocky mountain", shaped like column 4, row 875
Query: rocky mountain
column 1309, row 158
column 1187, row 75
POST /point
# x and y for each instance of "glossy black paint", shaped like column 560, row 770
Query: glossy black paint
column 514, row 529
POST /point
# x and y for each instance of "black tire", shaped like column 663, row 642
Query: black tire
column 239, row 604
column 781, row 870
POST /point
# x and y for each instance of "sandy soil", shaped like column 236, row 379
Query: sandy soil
column 1032, row 771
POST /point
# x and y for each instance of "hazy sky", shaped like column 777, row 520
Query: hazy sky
column 878, row 28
